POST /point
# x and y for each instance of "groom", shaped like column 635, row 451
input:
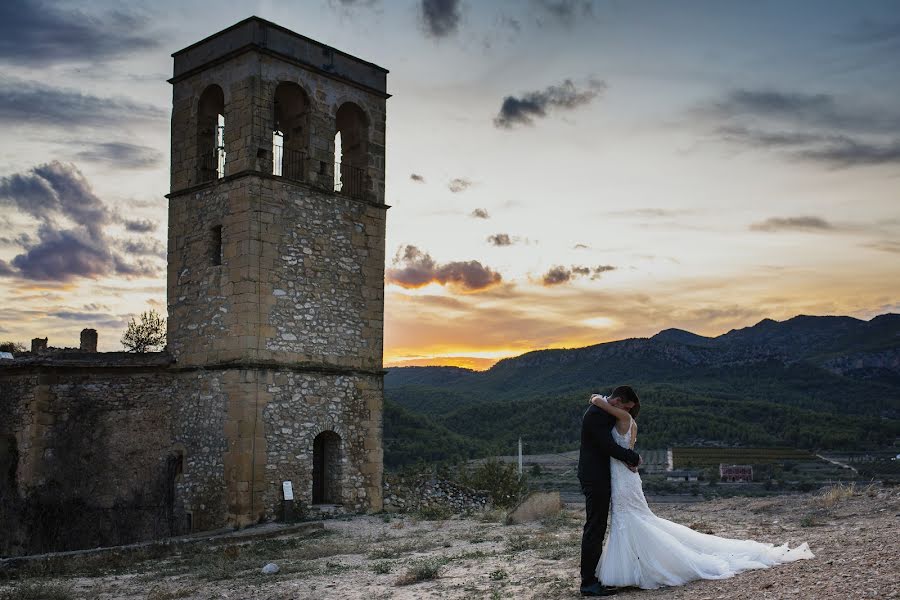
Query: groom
column 597, row 446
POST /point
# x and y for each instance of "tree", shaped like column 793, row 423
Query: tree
column 14, row 347
column 147, row 335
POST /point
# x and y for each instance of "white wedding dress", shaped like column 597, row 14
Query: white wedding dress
column 646, row 551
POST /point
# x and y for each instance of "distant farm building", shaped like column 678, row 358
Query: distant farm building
column 736, row 473
column 682, row 476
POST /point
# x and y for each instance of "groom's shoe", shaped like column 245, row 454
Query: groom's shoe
column 597, row 589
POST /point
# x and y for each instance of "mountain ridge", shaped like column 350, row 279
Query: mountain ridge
column 807, row 382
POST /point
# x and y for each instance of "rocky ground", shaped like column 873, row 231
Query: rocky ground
column 853, row 532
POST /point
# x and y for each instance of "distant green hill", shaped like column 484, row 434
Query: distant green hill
column 808, row 382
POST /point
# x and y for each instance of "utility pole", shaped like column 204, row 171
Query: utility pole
column 520, row 457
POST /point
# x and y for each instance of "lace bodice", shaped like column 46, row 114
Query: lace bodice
column 624, row 440
column 627, row 491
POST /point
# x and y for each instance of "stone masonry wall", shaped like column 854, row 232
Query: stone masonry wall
column 328, row 284
column 94, row 458
column 303, row 405
column 301, row 279
column 198, row 433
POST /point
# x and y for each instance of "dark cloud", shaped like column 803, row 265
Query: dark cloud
column 500, row 239
column 63, row 255
column 53, row 194
column 770, row 139
column 19, row 239
column 793, row 224
column 52, row 190
column 458, row 185
column 143, row 247
column 79, row 316
column 414, row 268
column 835, row 150
column 891, row 246
column 354, row 3
column 559, row 274
column 480, row 213
column 39, row 104
column 525, row 109
column 847, row 152
column 440, row 18
column 122, row 155
column 794, row 106
column 564, row 12
column 5, row 269
column 649, row 212
column 39, row 33
column 808, row 127
column 141, row 225
column 872, row 32
column 417, row 178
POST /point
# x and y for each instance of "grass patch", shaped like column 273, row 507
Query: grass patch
column 335, row 568
column 160, row 593
column 564, row 519
column 382, row 567
column 405, row 547
column 423, row 570
column 523, row 542
column 498, row 575
column 38, row 591
column 473, row 555
column 492, row 515
column 435, row 512
column 811, row 520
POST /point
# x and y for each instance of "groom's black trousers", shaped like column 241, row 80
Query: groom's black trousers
column 596, row 506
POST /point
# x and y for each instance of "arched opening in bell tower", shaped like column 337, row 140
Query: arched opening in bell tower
column 211, row 134
column 351, row 152
column 327, row 468
column 290, row 135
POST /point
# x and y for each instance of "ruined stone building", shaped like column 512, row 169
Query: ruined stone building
column 273, row 369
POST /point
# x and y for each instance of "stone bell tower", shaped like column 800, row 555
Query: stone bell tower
column 276, row 273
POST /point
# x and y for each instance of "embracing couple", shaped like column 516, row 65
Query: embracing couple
column 644, row 550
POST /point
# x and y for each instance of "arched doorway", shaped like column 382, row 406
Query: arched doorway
column 327, row 468
column 9, row 462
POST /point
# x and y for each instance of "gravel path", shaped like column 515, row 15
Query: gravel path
column 853, row 534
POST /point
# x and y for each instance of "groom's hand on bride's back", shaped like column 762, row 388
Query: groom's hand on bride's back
column 634, row 468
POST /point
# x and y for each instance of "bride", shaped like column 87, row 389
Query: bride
column 646, row 551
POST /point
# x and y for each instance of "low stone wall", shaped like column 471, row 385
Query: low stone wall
column 402, row 494
column 87, row 457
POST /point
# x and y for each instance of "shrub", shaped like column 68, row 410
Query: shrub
column 499, row 480
column 422, row 570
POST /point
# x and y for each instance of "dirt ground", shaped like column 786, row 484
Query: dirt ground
column 854, row 534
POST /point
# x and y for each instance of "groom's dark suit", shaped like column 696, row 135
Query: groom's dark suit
column 597, row 446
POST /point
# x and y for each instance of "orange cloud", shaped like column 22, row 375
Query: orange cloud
column 415, row 269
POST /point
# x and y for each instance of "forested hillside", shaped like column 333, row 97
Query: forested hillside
column 809, row 382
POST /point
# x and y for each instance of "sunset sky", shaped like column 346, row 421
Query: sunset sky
column 561, row 173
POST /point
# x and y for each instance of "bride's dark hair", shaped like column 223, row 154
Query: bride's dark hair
column 627, row 394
